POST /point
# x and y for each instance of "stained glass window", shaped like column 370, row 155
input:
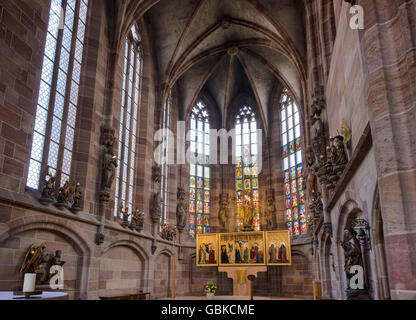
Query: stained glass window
column 246, row 175
column 57, row 106
column 199, row 176
column 292, row 166
column 165, row 166
column 128, row 125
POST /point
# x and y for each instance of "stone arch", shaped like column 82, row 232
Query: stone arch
column 162, row 280
column 125, row 263
column 61, row 237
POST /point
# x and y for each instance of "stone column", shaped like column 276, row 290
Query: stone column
column 388, row 46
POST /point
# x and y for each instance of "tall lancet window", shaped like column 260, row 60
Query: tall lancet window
column 165, row 166
column 199, row 184
column 130, row 99
column 57, row 107
column 292, row 166
column 246, row 173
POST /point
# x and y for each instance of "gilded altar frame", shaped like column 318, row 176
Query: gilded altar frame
column 257, row 248
column 278, row 248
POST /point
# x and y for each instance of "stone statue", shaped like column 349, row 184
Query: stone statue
column 318, row 133
column 63, row 196
column 109, row 158
column 339, row 156
column 352, row 252
column 223, row 212
column 310, row 181
column 270, row 210
column 77, row 198
column 316, row 206
column 137, row 220
column 56, row 260
column 181, row 209
column 125, row 215
column 168, row 232
column 156, row 207
column 48, row 191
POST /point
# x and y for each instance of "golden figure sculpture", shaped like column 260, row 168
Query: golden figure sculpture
column 32, row 263
column 246, row 211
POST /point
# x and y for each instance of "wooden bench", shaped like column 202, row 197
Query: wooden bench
column 127, row 296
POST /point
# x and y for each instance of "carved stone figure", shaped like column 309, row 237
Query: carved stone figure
column 318, row 141
column 270, row 209
column 137, row 220
column 63, row 196
column 352, row 252
column 223, row 212
column 77, row 198
column 316, row 206
column 181, row 209
column 109, row 158
column 48, row 191
column 310, row 181
column 168, row 232
column 56, row 260
column 156, row 207
column 124, row 215
column 339, row 156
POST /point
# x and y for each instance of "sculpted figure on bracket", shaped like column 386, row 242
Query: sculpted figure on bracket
column 109, row 158
column 270, row 210
column 181, row 210
column 223, row 213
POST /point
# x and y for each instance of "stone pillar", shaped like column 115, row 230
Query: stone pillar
column 388, row 48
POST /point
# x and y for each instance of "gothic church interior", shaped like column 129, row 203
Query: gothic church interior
column 109, row 165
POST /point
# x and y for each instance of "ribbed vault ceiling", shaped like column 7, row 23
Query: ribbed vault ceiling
column 226, row 47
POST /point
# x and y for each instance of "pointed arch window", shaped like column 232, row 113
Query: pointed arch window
column 199, row 184
column 295, row 210
column 57, row 106
column 130, row 99
column 246, row 170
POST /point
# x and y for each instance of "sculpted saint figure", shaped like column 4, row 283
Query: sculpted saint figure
column 109, row 158
column 223, row 212
column 270, row 209
column 180, row 209
column 352, row 251
column 339, row 156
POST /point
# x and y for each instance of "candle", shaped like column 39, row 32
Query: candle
column 29, row 282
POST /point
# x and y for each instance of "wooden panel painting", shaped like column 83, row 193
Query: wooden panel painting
column 249, row 248
column 207, row 250
column 227, row 249
column 278, row 248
